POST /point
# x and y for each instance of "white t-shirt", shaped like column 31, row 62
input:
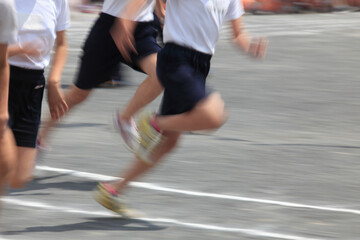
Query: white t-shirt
column 197, row 23
column 115, row 7
column 38, row 22
column 7, row 22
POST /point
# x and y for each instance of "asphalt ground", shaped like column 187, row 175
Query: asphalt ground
column 284, row 166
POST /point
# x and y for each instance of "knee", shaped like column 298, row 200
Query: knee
column 216, row 122
column 4, row 167
column 216, row 118
column 18, row 181
column 3, row 173
column 213, row 110
column 76, row 96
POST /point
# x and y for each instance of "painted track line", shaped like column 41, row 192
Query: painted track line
column 250, row 232
column 100, row 177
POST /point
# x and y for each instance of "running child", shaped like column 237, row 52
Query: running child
column 191, row 30
column 41, row 29
column 7, row 143
column 101, row 56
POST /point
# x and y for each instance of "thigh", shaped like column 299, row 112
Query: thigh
column 148, row 64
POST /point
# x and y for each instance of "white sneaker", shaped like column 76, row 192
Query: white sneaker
column 128, row 131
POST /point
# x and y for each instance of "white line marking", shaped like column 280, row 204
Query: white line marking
column 251, row 232
column 100, row 177
column 13, row 201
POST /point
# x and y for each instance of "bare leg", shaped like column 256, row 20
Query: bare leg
column 207, row 114
column 24, row 167
column 7, row 158
column 25, row 159
column 138, row 168
column 73, row 97
column 147, row 91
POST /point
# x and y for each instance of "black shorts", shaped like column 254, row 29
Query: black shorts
column 182, row 72
column 26, row 92
column 101, row 56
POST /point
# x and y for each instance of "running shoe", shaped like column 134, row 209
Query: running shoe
column 128, row 131
column 108, row 198
column 150, row 137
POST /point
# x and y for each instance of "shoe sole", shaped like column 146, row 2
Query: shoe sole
column 125, row 212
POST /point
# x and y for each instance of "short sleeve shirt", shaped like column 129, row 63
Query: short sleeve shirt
column 38, row 23
column 116, row 7
column 7, row 22
column 197, row 23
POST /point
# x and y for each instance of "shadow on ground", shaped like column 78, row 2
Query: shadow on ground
column 95, row 224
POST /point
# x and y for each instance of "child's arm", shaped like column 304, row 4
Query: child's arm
column 124, row 27
column 253, row 47
column 56, row 99
column 160, row 10
column 27, row 48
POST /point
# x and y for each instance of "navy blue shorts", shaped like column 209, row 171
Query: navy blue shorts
column 182, row 72
column 101, row 56
column 26, row 92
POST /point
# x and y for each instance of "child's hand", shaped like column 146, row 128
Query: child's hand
column 56, row 99
column 258, row 47
column 123, row 36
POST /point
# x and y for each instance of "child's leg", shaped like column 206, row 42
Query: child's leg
column 25, row 163
column 7, row 157
column 139, row 168
column 147, row 91
column 99, row 59
column 207, row 114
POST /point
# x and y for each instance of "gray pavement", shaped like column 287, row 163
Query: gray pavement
column 285, row 165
